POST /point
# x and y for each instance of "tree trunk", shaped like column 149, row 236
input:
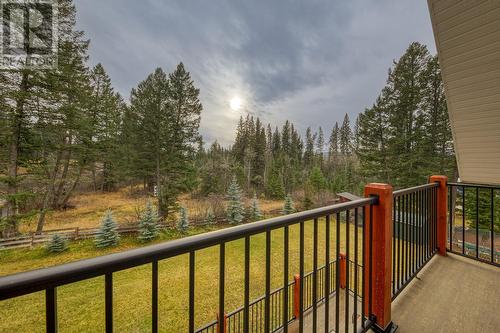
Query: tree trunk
column 11, row 207
column 70, row 191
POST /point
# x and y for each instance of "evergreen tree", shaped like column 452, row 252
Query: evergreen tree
column 183, row 223
column 107, row 235
column 317, row 179
column 309, row 151
column 345, row 134
column 275, row 188
column 148, row 224
column 320, row 145
column 276, row 144
column 255, row 213
column 288, row 207
column 57, row 244
column 235, row 208
column 333, row 147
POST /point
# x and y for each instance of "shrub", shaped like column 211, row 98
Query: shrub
column 183, row 223
column 255, row 213
column 288, row 207
column 57, row 244
column 148, row 224
column 235, row 207
column 107, row 235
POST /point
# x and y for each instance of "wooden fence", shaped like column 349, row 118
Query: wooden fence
column 76, row 233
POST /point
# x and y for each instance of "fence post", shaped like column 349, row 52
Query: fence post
column 378, row 254
column 342, row 275
column 442, row 195
column 224, row 321
column 296, row 296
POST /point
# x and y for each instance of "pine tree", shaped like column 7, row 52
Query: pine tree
column 235, row 208
column 333, row 147
column 309, row 151
column 275, row 188
column 317, row 179
column 320, row 146
column 57, row 244
column 210, row 217
column 288, row 207
column 107, row 235
column 255, row 213
column 148, row 224
column 345, row 136
column 183, row 223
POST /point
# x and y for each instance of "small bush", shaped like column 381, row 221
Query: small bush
column 183, row 223
column 107, row 235
column 255, row 213
column 57, row 244
column 288, row 207
column 148, row 224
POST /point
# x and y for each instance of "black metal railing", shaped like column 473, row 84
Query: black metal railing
column 348, row 217
column 474, row 221
column 235, row 323
column 414, row 239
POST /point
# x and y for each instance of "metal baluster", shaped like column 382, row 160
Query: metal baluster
column 400, row 230
column 314, row 275
column 154, row 297
column 51, row 310
column 477, row 222
column 347, row 236
column 247, row 285
column 108, row 290
column 222, row 283
column 327, row 273
column 363, row 281
column 393, row 282
column 356, row 286
column 463, row 219
column 267, row 308
column 301, row 272
column 191, row 290
column 337, row 272
column 285, row 280
column 450, row 214
column 492, row 235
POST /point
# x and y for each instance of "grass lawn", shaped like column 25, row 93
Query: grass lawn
column 81, row 305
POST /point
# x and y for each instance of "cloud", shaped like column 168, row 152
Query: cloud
column 309, row 62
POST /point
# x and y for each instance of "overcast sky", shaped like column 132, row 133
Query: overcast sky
column 307, row 61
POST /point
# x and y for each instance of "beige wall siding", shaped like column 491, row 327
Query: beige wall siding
column 467, row 34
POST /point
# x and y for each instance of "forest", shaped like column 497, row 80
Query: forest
column 67, row 130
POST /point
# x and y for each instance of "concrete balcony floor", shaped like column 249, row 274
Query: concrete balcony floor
column 450, row 294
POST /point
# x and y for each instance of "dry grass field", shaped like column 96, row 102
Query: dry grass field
column 90, row 207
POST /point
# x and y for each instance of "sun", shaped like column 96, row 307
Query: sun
column 235, row 103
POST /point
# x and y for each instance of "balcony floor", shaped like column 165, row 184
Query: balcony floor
column 450, row 294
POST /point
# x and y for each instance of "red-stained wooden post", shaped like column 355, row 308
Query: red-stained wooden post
column 296, row 296
column 380, row 252
column 224, row 321
column 442, row 195
column 342, row 275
